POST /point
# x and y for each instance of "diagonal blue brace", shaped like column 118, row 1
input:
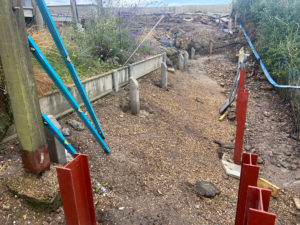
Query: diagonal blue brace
column 65, row 55
column 60, row 85
column 51, row 127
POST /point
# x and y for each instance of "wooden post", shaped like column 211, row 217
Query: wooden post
column 17, row 65
column 211, row 47
column 100, row 8
column 37, row 16
column 74, row 12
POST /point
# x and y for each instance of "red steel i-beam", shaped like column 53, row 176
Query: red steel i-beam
column 242, row 80
column 241, row 87
column 76, row 191
column 249, row 176
column 257, row 206
column 241, row 109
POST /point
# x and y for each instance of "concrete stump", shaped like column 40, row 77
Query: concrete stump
column 116, row 80
column 181, row 62
column 134, row 96
column 164, row 76
column 186, row 58
column 56, row 149
column 230, row 26
column 193, row 53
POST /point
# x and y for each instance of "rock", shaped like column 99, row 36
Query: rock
column 144, row 114
column 222, row 84
column 293, row 167
column 297, row 177
column 225, row 176
column 267, row 114
column 229, row 145
column 171, row 70
column 247, row 147
column 231, row 116
column 199, row 100
column 76, row 125
column 297, row 203
column 260, row 160
column 66, row 131
column 5, row 207
column 206, row 189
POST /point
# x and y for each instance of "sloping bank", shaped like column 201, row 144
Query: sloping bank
column 96, row 87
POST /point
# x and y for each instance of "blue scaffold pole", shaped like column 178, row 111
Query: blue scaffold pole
column 262, row 65
column 65, row 55
column 60, row 85
column 51, row 127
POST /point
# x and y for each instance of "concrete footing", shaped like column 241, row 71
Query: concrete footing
column 56, row 149
column 134, row 96
column 164, row 76
column 193, row 53
column 181, row 62
column 116, row 81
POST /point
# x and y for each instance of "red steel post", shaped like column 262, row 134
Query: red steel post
column 242, row 80
column 242, row 102
column 76, row 191
column 241, row 87
column 249, row 176
column 257, row 206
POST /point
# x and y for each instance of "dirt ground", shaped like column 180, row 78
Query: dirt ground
column 158, row 156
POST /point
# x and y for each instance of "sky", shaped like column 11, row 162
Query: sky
column 160, row 2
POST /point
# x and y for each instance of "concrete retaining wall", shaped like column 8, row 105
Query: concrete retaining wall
column 97, row 87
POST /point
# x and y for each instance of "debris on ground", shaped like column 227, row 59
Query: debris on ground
column 76, row 125
column 206, row 189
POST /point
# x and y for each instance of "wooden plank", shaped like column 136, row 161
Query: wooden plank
column 17, row 65
column 262, row 183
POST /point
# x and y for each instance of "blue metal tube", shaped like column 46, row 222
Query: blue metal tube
column 263, row 67
column 65, row 55
column 60, row 85
column 51, row 127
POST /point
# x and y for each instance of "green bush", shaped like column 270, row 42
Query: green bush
column 277, row 27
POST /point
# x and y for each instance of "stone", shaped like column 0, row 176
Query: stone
column 232, row 169
column 181, row 62
column 297, row 203
column 267, row 114
column 116, row 80
column 206, row 189
column 66, row 131
column 55, row 148
column 144, row 114
column 199, row 100
column 76, row 125
column 134, row 96
column 164, row 76
column 171, row 70
column 260, row 160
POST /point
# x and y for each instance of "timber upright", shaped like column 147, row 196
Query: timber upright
column 17, row 65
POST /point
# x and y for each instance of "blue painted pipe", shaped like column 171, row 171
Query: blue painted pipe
column 60, row 85
column 263, row 67
column 65, row 55
column 51, row 127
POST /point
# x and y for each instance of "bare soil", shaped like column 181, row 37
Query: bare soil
column 158, row 156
